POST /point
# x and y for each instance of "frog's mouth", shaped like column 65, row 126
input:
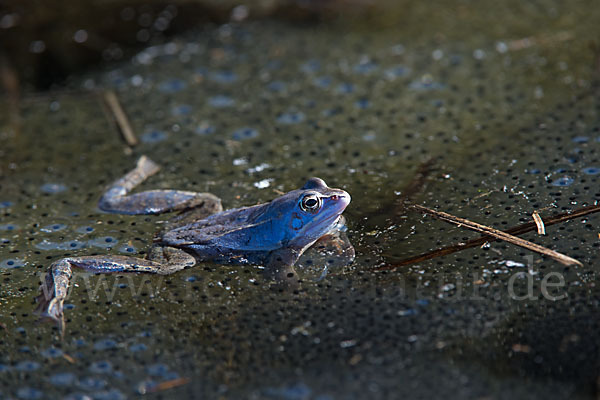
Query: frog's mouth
column 341, row 199
column 335, row 206
column 332, row 220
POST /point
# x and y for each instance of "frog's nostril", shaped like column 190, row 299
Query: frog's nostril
column 335, row 197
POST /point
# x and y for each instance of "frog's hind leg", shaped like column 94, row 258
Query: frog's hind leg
column 171, row 259
column 54, row 289
column 117, row 200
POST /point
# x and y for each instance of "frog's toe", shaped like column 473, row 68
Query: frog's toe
column 147, row 166
column 168, row 269
column 51, row 308
column 282, row 277
column 285, row 284
column 54, row 310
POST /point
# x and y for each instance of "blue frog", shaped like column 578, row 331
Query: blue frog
column 273, row 234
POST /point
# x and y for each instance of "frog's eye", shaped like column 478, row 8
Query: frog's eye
column 310, row 203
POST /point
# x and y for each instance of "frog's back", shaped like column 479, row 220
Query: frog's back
column 290, row 223
column 240, row 235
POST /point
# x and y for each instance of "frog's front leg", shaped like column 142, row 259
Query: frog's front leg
column 54, row 289
column 331, row 250
column 117, row 200
column 279, row 267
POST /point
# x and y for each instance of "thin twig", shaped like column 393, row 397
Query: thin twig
column 474, row 226
column 169, row 384
column 69, row 358
column 111, row 99
column 515, row 230
column 541, row 229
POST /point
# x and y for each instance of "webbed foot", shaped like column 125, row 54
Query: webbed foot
column 53, row 291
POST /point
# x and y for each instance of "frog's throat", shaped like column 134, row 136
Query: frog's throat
column 307, row 236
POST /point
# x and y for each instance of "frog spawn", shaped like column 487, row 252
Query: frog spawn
column 390, row 333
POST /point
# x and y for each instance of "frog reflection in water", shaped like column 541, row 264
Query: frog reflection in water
column 273, row 234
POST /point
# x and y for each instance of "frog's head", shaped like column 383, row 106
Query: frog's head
column 310, row 212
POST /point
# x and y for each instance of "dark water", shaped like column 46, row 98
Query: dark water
column 506, row 107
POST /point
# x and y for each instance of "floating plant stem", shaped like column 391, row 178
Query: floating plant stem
column 515, row 230
column 474, row 226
